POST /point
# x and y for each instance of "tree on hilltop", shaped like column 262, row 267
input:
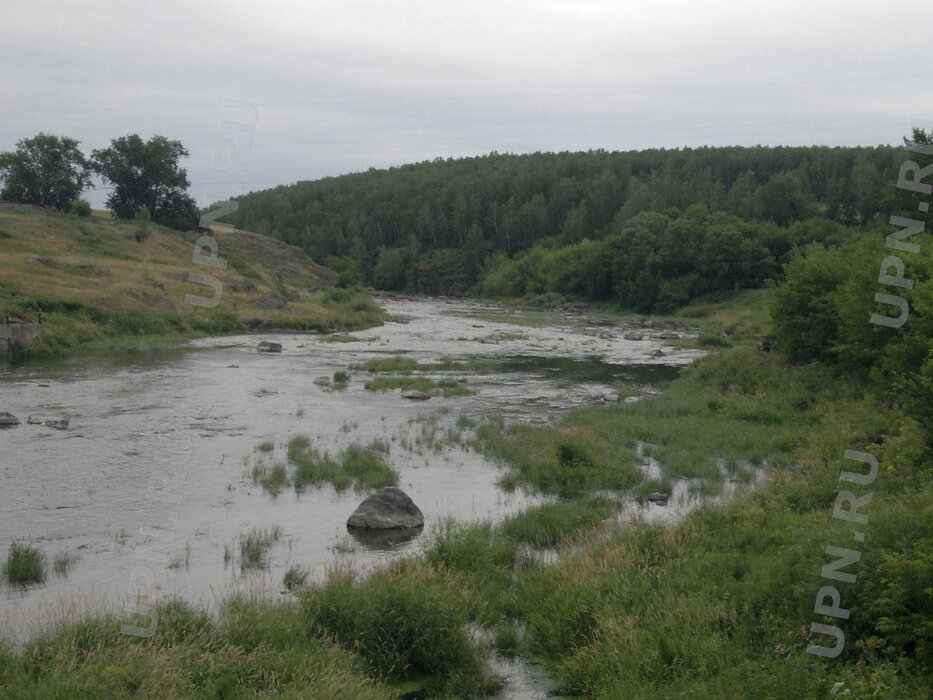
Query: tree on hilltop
column 45, row 170
column 147, row 174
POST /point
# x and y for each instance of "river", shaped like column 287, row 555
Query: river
column 151, row 478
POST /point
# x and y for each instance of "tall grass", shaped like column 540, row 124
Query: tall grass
column 739, row 407
column 24, row 565
column 552, row 524
column 359, row 466
column 448, row 387
column 252, row 650
column 255, row 547
column 407, row 622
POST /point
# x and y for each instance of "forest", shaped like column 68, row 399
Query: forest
column 662, row 226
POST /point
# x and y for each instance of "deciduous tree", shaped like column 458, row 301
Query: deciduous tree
column 46, row 170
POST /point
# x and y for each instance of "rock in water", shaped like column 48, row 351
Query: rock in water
column 658, row 497
column 389, row 508
column 415, row 394
column 266, row 346
column 322, row 381
column 8, row 420
column 57, row 422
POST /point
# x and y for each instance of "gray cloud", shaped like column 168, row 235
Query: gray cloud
column 342, row 86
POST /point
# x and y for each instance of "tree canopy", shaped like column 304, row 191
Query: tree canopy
column 45, row 170
column 454, row 219
column 147, row 174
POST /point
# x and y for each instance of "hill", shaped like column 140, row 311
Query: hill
column 92, row 284
column 436, row 226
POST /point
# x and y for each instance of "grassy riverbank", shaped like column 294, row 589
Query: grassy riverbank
column 718, row 606
column 95, row 288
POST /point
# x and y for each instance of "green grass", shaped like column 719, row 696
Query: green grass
column 553, row 524
column 359, row 466
column 295, row 576
column 251, row 650
column 398, row 373
column 735, row 408
column 255, row 547
column 448, row 387
column 96, row 289
column 339, row 338
column 408, row 623
column 24, row 565
column 397, row 365
column 63, row 562
column 274, row 480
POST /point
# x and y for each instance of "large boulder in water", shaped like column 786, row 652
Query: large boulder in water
column 8, row 420
column 389, row 508
column 268, row 346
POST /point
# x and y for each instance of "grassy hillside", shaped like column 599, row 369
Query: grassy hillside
column 94, row 286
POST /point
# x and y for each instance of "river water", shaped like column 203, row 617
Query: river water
column 151, row 479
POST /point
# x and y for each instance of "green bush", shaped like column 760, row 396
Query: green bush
column 81, row 208
column 143, row 227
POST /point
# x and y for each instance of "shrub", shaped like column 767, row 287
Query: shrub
column 143, row 220
column 81, row 208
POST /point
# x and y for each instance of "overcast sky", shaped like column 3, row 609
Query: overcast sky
column 344, row 86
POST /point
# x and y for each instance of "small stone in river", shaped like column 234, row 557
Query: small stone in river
column 633, row 336
column 388, row 509
column 267, row 346
column 415, row 395
column 8, row 420
column 611, row 398
column 322, row 381
column 658, row 498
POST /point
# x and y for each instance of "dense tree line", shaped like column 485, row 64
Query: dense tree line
column 658, row 261
column 833, row 302
column 405, row 227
